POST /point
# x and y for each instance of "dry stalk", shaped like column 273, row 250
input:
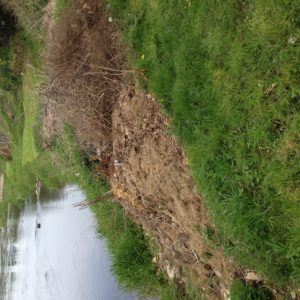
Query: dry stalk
column 85, row 73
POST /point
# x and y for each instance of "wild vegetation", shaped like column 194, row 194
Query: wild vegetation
column 228, row 74
column 241, row 290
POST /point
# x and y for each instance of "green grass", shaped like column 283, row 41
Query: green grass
column 22, row 129
column 132, row 261
column 31, row 106
column 242, row 291
column 60, row 7
column 228, row 74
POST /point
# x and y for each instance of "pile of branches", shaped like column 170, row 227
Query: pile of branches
column 85, row 73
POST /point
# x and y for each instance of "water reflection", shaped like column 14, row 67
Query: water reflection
column 8, row 252
column 63, row 259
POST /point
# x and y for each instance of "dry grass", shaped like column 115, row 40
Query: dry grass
column 29, row 14
column 85, row 72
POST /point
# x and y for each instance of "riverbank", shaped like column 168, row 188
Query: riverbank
column 101, row 62
column 62, row 162
column 126, row 136
column 37, row 260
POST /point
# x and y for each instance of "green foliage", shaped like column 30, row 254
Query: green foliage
column 8, row 77
column 72, row 160
column 228, row 74
column 242, row 291
column 132, row 261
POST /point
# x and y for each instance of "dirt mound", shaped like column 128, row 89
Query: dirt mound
column 151, row 177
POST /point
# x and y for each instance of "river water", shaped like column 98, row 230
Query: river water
column 63, row 259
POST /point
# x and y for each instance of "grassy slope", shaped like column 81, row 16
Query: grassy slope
column 30, row 88
column 228, row 74
column 22, row 130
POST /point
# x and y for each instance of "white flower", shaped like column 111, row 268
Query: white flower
column 292, row 40
column 110, row 19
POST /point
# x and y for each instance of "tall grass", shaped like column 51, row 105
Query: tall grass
column 228, row 74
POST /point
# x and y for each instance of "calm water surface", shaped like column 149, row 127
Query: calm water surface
column 63, row 260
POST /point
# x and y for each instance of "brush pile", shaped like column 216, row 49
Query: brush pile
column 85, row 73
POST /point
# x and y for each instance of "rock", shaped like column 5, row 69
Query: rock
column 293, row 295
column 292, row 40
column 172, row 271
column 252, row 276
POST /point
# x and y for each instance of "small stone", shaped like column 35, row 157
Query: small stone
column 171, row 271
column 293, row 295
column 252, row 276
